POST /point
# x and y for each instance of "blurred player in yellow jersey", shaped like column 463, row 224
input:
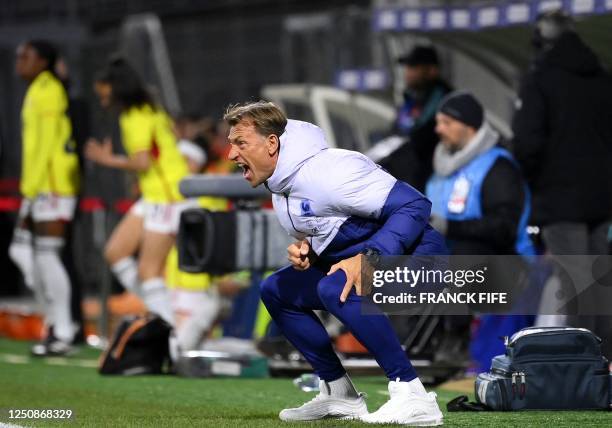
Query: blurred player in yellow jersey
column 49, row 184
column 152, row 153
column 195, row 301
column 198, row 298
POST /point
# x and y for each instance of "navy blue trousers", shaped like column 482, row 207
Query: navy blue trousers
column 291, row 296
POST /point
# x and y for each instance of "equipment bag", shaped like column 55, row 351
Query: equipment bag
column 139, row 346
column 547, row 368
column 224, row 242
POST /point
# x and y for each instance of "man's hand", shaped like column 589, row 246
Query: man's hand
column 352, row 269
column 300, row 255
column 99, row 152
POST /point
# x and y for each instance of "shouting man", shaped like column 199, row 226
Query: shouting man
column 340, row 206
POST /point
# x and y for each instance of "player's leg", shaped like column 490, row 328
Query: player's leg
column 410, row 402
column 122, row 245
column 151, row 261
column 50, row 215
column 160, row 226
column 196, row 303
column 21, row 252
column 373, row 331
column 195, row 313
column 55, row 283
column 290, row 297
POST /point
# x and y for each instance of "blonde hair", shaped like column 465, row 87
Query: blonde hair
column 265, row 116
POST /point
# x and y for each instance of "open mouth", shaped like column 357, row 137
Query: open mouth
column 246, row 171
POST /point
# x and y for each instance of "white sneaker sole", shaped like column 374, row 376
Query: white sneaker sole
column 341, row 410
column 424, row 423
column 415, row 421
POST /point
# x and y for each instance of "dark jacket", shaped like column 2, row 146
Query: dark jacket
column 502, row 205
column 563, row 134
column 412, row 162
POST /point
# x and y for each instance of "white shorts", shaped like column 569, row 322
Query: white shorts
column 137, row 208
column 161, row 218
column 48, row 207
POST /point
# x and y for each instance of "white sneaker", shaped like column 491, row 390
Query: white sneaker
column 52, row 346
column 326, row 406
column 406, row 407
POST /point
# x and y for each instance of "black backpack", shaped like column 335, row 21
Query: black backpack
column 547, row 368
column 139, row 346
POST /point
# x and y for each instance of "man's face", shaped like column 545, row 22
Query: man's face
column 418, row 76
column 27, row 63
column 256, row 154
column 104, row 91
column 453, row 133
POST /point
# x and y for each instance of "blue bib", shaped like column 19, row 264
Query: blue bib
column 458, row 196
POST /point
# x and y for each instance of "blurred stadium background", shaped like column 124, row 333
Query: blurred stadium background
column 203, row 55
column 330, row 62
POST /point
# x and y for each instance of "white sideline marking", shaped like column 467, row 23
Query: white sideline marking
column 52, row 361
column 14, row 359
column 60, row 361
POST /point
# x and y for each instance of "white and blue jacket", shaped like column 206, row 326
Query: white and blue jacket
column 344, row 203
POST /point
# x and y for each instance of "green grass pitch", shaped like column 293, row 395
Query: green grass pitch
column 168, row 401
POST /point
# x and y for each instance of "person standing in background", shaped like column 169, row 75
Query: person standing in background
column 416, row 118
column 150, row 227
column 563, row 141
column 480, row 203
column 49, row 185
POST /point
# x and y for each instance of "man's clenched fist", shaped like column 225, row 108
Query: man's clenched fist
column 300, row 255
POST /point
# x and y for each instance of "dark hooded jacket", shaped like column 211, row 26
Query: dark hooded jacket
column 563, row 134
column 412, row 162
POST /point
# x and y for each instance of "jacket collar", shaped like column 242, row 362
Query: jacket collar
column 300, row 142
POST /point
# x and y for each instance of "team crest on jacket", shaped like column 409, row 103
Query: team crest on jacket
column 305, row 209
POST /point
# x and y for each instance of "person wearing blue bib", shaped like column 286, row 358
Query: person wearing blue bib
column 479, row 199
column 480, row 203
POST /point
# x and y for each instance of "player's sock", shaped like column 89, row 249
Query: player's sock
column 126, row 271
column 342, row 387
column 22, row 254
column 416, row 387
column 190, row 334
column 157, row 299
column 55, row 283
